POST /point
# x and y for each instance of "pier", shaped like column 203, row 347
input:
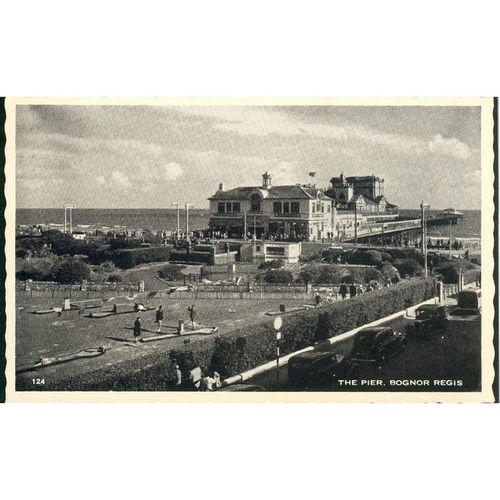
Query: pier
column 399, row 232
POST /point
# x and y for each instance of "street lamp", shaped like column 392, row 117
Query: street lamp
column 423, row 207
column 277, row 324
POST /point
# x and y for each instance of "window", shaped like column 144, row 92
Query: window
column 322, row 208
column 295, row 207
column 328, row 208
column 255, row 203
column 286, row 207
column 314, row 207
column 220, row 208
column 277, row 207
column 236, row 207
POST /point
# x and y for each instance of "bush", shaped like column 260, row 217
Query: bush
column 71, row 271
column 332, row 255
column 171, row 273
column 386, row 257
column 248, row 347
column 389, row 272
column 115, row 278
column 449, row 270
column 364, row 257
column 36, row 270
column 278, row 276
column 408, row 267
column 272, row 264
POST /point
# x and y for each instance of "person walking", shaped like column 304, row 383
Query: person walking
column 192, row 315
column 317, row 299
column 159, row 318
column 137, row 330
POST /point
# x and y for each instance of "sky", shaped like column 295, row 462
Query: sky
column 153, row 156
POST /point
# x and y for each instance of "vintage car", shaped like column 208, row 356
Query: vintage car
column 311, row 368
column 468, row 302
column 377, row 345
column 429, row 318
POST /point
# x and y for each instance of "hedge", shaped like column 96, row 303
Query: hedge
column 252, row 345
column 129, row 258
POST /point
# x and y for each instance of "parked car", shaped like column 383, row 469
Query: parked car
column 377, row 345
column 312, row 368
column 428, row 318
column 468, row 302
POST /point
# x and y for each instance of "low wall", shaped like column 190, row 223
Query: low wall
column 44, row 289
column 249, row 346
column 235, row 295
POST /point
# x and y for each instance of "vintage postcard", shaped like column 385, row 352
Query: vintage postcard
column 250, row 250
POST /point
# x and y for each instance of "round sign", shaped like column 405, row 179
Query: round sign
column 278, row 323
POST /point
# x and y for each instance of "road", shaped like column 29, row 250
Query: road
column 449, row 361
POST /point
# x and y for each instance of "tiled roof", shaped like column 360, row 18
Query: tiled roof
column 293, row 191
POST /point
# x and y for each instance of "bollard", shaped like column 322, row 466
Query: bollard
column 440, row 291
column 180, row 328
column 140, row 286
column 67, row 305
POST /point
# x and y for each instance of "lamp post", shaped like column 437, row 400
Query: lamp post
column 177, row 205
column 423, row 207
column 68, row 208
column 277, row 324
column 188, row 206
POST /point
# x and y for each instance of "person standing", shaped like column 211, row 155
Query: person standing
column 192, row 315
column 352, row 290
column 137, row 330
column 343, row 291
column 159, row 318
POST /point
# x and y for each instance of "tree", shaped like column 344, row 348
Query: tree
column 71, row 271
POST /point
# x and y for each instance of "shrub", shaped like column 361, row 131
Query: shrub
column 272, row 264
column 408, row 267
column 71, row 271
column 449, row 271
column 278, row 276
column 115, row 278
column 171, row 273
column 332, row 255
column 365, row 257
column 386, row 257
column 36, row 270
column 389, row 272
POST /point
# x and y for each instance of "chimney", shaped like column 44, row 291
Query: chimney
column 266, row 180
column 221, row 186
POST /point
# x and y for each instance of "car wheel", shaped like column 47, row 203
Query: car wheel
column 382, row 360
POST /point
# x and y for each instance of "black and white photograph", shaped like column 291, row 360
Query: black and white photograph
column 311, row 250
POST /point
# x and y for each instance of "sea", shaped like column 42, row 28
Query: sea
column 166, row 219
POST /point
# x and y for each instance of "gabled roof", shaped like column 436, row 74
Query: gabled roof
column 293, row 191
column 355, row 198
